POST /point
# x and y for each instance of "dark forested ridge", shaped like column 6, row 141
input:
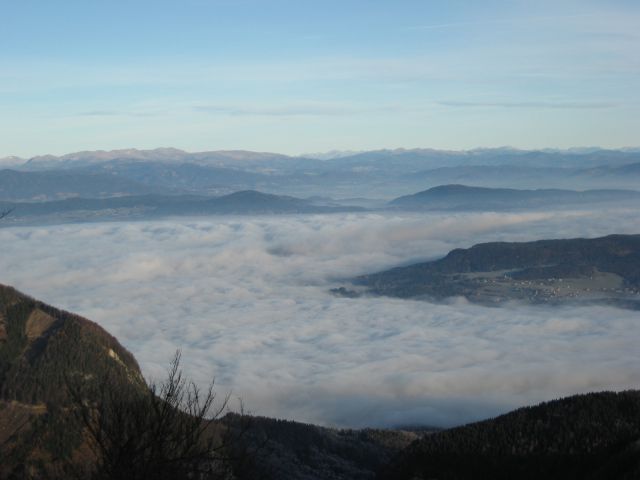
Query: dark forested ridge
column 593, row 436
column 605, row 269
column 39, row 344
column 41, row 349
column 297, row 451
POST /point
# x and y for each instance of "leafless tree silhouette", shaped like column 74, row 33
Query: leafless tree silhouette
column 165, row 432
column 4, row 213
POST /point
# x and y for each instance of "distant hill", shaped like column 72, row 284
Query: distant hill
column 609, row 174
column 593, row 436
column 250, row 201
column 605, row 269
column 462, row 197
column 146, row 206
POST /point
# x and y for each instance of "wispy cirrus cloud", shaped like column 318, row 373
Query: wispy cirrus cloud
column 285, row 109
column 528, row 20
column 278, row 111
column 566, row 105
column 119, row 113
column 100, row 113
column 301, row 109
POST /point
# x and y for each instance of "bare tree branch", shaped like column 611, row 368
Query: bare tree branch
column 165, row 431
column 4, row 213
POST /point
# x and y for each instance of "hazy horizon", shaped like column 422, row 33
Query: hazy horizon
column 330, row 152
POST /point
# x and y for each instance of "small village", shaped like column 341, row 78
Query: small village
column 500, row 287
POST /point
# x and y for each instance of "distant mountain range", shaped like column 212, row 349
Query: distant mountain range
column 42, row 348
column 382, row 173
column 602, row 270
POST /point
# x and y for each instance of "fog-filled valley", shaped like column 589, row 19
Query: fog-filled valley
column 247, row 299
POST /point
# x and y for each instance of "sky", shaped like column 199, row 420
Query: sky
column 299, row 76
column 247, row 300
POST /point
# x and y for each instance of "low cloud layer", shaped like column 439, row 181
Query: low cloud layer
column 246, row 300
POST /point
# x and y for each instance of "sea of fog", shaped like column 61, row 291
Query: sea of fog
column 246, row 299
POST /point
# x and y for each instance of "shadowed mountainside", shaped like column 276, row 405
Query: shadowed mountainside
column 41, row 349
column 592, row 436
column 297, row 451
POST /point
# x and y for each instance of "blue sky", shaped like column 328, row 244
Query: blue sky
column 305, row 76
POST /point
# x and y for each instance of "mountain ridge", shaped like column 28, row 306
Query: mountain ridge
column 388, row 172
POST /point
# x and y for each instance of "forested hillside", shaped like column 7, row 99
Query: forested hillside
column 594, row 436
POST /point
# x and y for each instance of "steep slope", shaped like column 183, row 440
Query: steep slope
column 41, row 350
column 40, row 345
column 595, row 436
